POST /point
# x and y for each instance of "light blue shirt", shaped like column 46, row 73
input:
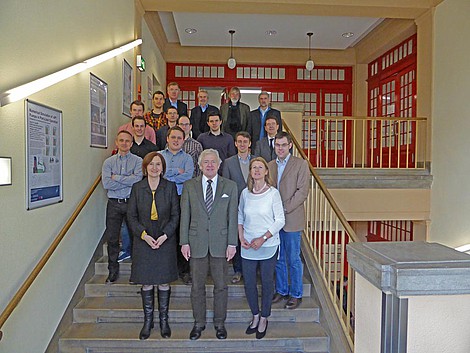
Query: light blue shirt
column 263, row 114
column 281, row 165
column 203, row 107
column 119, row 173
column 174, row 162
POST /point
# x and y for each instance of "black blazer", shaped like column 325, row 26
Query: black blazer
column 198, row 120
column 262, row 149
column 254, row 124
column 161, row 137
column 182, row 107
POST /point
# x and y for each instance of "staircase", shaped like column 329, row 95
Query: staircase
column 109, row 318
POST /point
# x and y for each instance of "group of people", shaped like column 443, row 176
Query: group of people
column 194, row 198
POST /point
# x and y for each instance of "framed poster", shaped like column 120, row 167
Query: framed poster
column 126, row 87
column 98, row 112
column 43, row 155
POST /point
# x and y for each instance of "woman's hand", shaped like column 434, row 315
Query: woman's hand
column 244, row 243
column 161, row 239
column 150, row 241
column 256, row 243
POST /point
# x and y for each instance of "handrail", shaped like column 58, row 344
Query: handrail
column 323, row 188
column 34, row 274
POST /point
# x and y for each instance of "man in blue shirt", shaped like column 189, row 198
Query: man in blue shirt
column 179, row 168
column 119, row 173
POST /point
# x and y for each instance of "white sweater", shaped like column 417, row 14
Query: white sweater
column 258, row 213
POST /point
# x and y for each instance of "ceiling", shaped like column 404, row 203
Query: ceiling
column 265, row 31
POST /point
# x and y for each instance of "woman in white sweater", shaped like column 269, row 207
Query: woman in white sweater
column 260, row 217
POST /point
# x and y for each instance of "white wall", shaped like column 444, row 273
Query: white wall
column 38, row 38
column 450, row 198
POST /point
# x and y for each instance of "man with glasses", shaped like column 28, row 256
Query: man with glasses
column 291, row 177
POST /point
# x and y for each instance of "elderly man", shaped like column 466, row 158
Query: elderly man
column 208, row 238
column 234, row 113
column 119, row 173
column 173, row 91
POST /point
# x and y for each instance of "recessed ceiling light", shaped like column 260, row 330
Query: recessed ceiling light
column 271, row 32
column 347, row 34
column 190, row 30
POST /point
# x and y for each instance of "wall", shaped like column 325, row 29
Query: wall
column 38, row 38
column 450, row 206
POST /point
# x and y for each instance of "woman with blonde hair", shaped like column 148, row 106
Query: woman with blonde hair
column 260, row 218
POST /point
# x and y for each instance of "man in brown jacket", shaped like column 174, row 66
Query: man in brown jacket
column 291, row 176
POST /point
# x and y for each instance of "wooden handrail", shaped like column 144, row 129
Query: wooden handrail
column 33, row 275
column 323, row 187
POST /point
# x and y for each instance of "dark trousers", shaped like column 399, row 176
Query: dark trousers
column 267, row 284
column 115, row 215
column 237, row 259
column 218, row 271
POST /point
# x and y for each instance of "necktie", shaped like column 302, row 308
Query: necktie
column 271, row 147
column 153, row 211
column 209, row 196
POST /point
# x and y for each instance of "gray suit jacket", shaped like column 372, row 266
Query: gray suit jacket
column 232, row 171
column 293, row 187
column 262, row 149
column 209, row 232
column 254, row 124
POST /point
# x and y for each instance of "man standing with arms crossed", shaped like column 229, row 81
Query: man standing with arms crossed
column 208, row 238
column 291, row 176
column 119, row 173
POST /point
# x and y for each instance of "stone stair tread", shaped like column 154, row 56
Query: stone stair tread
column 129, row 309
column 281, row 337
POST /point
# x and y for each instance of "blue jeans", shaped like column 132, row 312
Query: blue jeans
column 125, row 237
column 289, row 265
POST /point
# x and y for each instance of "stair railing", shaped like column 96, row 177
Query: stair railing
column 45, row 258
column 327, row 232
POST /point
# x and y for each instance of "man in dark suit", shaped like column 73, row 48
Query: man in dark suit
column 258, row 117
column 265, row 147
column 236, row 168
column 198, row 116
column 235, row 114
column 208, row 238
column 173, row 91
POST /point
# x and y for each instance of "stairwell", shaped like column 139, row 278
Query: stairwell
column 109, row 318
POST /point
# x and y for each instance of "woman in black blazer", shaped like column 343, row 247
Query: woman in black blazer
column 153, row 216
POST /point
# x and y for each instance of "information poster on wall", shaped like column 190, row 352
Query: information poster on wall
column 98, row 112
column 43, row 155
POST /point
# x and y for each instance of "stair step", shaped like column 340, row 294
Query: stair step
column 97, row 287
column 117, row 337
column 129, row 310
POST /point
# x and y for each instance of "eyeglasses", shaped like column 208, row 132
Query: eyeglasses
column 281, row 145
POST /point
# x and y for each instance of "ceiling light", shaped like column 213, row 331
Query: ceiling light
column 231, row 62
column 15, row 94
column 309, row 65
column 190, row 30
column 347, row 34
column 271, row 32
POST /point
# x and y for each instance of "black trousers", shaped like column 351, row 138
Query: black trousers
column 115, row 214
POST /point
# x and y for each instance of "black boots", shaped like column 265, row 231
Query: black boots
column 148, row 305
column 163, row 304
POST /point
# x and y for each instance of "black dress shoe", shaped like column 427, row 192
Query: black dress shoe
column 196, row 332
column 260, row 335
column 221, row 332
column 251, row 330
column 113, row 276
column 187, row 279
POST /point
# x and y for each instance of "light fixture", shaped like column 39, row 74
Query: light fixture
column 190, row 30
column 271, row 33
column 231, row 63
column 15, row 94
column 347, row 34
column 309, row 65
column 5, row 170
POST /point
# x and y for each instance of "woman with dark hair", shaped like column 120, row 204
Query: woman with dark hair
column 153, row 216
column 260, row 218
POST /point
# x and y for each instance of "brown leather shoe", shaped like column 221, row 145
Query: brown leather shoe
column 293, row 303
column 278, row 297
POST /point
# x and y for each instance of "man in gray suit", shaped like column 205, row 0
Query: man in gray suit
column 208, row 238
column 236, row 168
column 265, row 147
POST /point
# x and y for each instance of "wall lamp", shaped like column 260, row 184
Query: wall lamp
column 20, row 92
column 5, row 170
